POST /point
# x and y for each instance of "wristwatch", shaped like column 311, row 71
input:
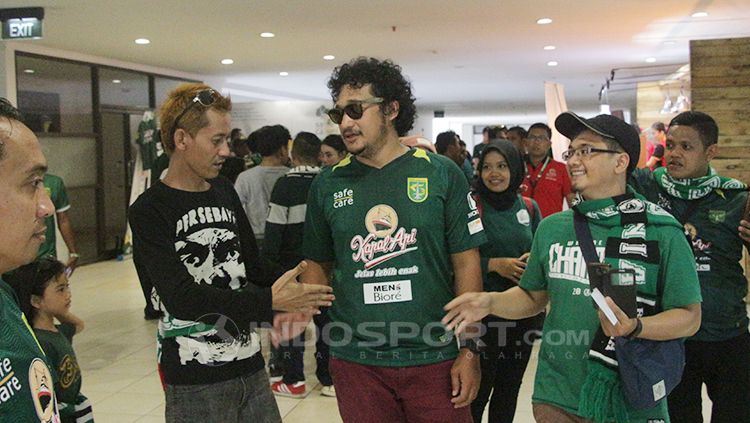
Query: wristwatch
column 474, row 345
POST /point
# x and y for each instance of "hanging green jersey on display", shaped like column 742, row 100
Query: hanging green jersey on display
column 56, row 191
column 390, row 233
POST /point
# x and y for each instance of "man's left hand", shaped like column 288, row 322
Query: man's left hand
column 465, row 376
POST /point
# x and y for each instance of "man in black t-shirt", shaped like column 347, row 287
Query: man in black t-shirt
column 192, row 240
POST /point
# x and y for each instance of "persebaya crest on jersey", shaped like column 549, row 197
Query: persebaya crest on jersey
column 417, row 189
column 385, row 240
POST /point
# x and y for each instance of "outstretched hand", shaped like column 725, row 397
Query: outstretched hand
column 292, row 296
column 466, row 309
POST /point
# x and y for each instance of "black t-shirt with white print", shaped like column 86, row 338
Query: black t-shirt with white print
column 197, row 249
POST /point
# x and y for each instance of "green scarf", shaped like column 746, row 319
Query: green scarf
column 695, row 188
column 627, row 218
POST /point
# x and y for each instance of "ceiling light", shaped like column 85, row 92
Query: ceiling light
column 544, row 21
column 143, row 41
column 284, row 73
column 549, row 47
column 116, row 81
column 651, row 60
column 329, row 57
column 552, row 63
column 227, row 61
column 267, row 34
column 29, row 71
column 699, row 14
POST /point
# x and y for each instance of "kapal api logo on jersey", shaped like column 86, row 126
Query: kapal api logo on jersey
column 417, row 189
column 385, row 240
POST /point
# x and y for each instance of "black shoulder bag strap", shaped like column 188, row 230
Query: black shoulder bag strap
column 585, row 239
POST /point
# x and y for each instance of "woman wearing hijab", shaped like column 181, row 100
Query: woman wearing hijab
column 509, row 221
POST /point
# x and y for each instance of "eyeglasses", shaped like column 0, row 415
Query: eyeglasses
column 537, row 138
column 585, row 151
column 353, row 110
column 205, row 98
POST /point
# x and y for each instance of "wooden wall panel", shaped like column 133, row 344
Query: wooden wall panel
column 720, row 86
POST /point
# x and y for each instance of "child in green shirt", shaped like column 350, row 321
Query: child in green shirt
column 44, row 295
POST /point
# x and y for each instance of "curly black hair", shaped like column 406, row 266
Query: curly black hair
column 387, row 82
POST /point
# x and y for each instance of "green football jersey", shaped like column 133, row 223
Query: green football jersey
column 557, row 265
column 711, row 224
column 500, row 226
column 390, row 233
column 65, row 370
column 26, row 389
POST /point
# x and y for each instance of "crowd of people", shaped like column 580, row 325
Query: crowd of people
column 429, row 272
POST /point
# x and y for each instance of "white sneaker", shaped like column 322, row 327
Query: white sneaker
column 328, row 391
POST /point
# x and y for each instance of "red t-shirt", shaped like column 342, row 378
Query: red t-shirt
column 549, row 185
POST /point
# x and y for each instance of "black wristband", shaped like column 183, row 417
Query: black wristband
column 637, row 331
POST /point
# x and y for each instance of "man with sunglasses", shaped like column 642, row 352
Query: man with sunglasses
column 26, row 387
column 710, row 207
column 193, row 242
column 577, row 377
column 397, row 230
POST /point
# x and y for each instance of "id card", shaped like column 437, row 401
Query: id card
column 387, row 292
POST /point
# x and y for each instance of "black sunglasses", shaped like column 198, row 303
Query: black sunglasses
column 205, row 98
column 353, row 110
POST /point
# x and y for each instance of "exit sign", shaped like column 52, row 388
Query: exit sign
column 24, row 28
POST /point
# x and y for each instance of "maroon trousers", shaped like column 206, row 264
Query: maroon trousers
column 420, row 394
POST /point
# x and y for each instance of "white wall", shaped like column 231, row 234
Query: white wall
column 294, row 115
column 4, row 85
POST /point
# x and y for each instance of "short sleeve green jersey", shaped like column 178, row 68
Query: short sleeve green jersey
column 65, row 370
column 556, row 265
column 390, row 233
column 517, row 223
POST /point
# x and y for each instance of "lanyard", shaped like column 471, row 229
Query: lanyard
column 533, row 183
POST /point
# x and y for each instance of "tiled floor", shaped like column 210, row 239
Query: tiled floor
column 117, row 355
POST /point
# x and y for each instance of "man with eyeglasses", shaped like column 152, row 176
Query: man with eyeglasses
column 398, row 231
column 547, row 180
column 26, row 388
column 711, row 208
column 577, row 377
column 193, row 242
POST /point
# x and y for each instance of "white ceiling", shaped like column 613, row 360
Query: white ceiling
column 466, row 57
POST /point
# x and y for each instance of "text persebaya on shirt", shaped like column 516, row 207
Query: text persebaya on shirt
column 203, row 215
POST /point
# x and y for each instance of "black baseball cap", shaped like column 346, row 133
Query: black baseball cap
column 570, row 125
